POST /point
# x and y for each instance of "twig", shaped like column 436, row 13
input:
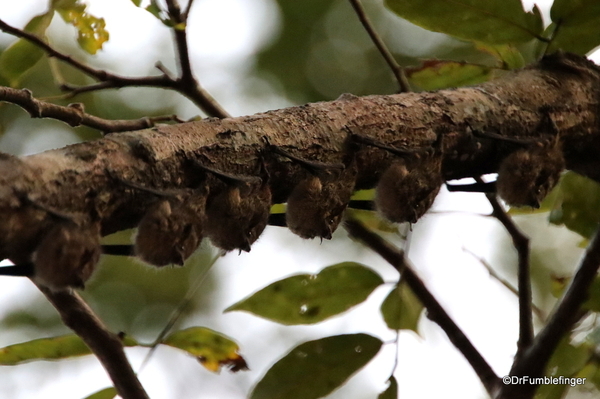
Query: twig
column 534, row 360
column 538, row 312
column 176, row 314
column 187, row 83
column 397, row 70
column 436, row 312
column 521, row 243
column 107, row 346
column 74, row 114
column 107, row 80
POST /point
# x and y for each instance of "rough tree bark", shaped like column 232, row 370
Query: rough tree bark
column 558, row 95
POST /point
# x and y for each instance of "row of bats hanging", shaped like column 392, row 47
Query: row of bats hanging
column 234, row 218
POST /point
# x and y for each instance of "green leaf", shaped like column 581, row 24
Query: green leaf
column 155, row 9
column 568, row 359
column 54, row 348
column 558, row 285
column 490, row 21
column 212, row 349
column 91, row 31
column 392, row 390
column 316, row 368
column 22, row 55
column 577, row 25
column 593, row 301
column 401, row 309
column 577, row 205
column 136, row 2
column 373, row 221
column 509, row 55
column 43, row 349
column 437, row 74
column 106, row 393
column 309, row 299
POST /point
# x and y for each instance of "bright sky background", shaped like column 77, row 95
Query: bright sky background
column 428, row 366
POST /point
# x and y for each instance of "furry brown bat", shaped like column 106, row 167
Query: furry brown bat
column 65, row 257
column 171, row 230
column 238, row 214
column 527, row 175
column 408, row 187
column 316, row 205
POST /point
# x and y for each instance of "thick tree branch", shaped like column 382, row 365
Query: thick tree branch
column 105, row 345
column 74, row 114
column 534, row 360
column 107, row 80
column 79, row 179
column 435, row 311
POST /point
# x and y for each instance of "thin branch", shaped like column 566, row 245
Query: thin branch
column 107, row 346
column 535, row 359
column 195, row 93
column 436, row 312
column 178, row 312
column 186, row 13
column 74, row 114
column 521, row 243
column 397, row 70
column 536, row 310
column 187, row 83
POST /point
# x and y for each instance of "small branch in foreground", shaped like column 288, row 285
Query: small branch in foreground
column 397, row 70
column 521, row 243
column 534, row 360
column 435, row 311
column 107, row 80
column 74, row 114
column 105, row 345
column 536, row 310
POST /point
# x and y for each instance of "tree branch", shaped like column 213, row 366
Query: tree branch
column 397, row 70
column 79, row 179
column 74, row 114
column 521, row 243
column 187, row 83
column 108, row 80
column 106, row 346
column 435, row 311
column 536, row 310
column 533, row 361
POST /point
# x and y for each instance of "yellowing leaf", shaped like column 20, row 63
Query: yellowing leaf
column 92, row 33
column 106, row 393
column 309, row 299
column 509, row 55
column 212, row 349
column 316, row 368
column 437, row 74
column 401, row 309
column 489, row 21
